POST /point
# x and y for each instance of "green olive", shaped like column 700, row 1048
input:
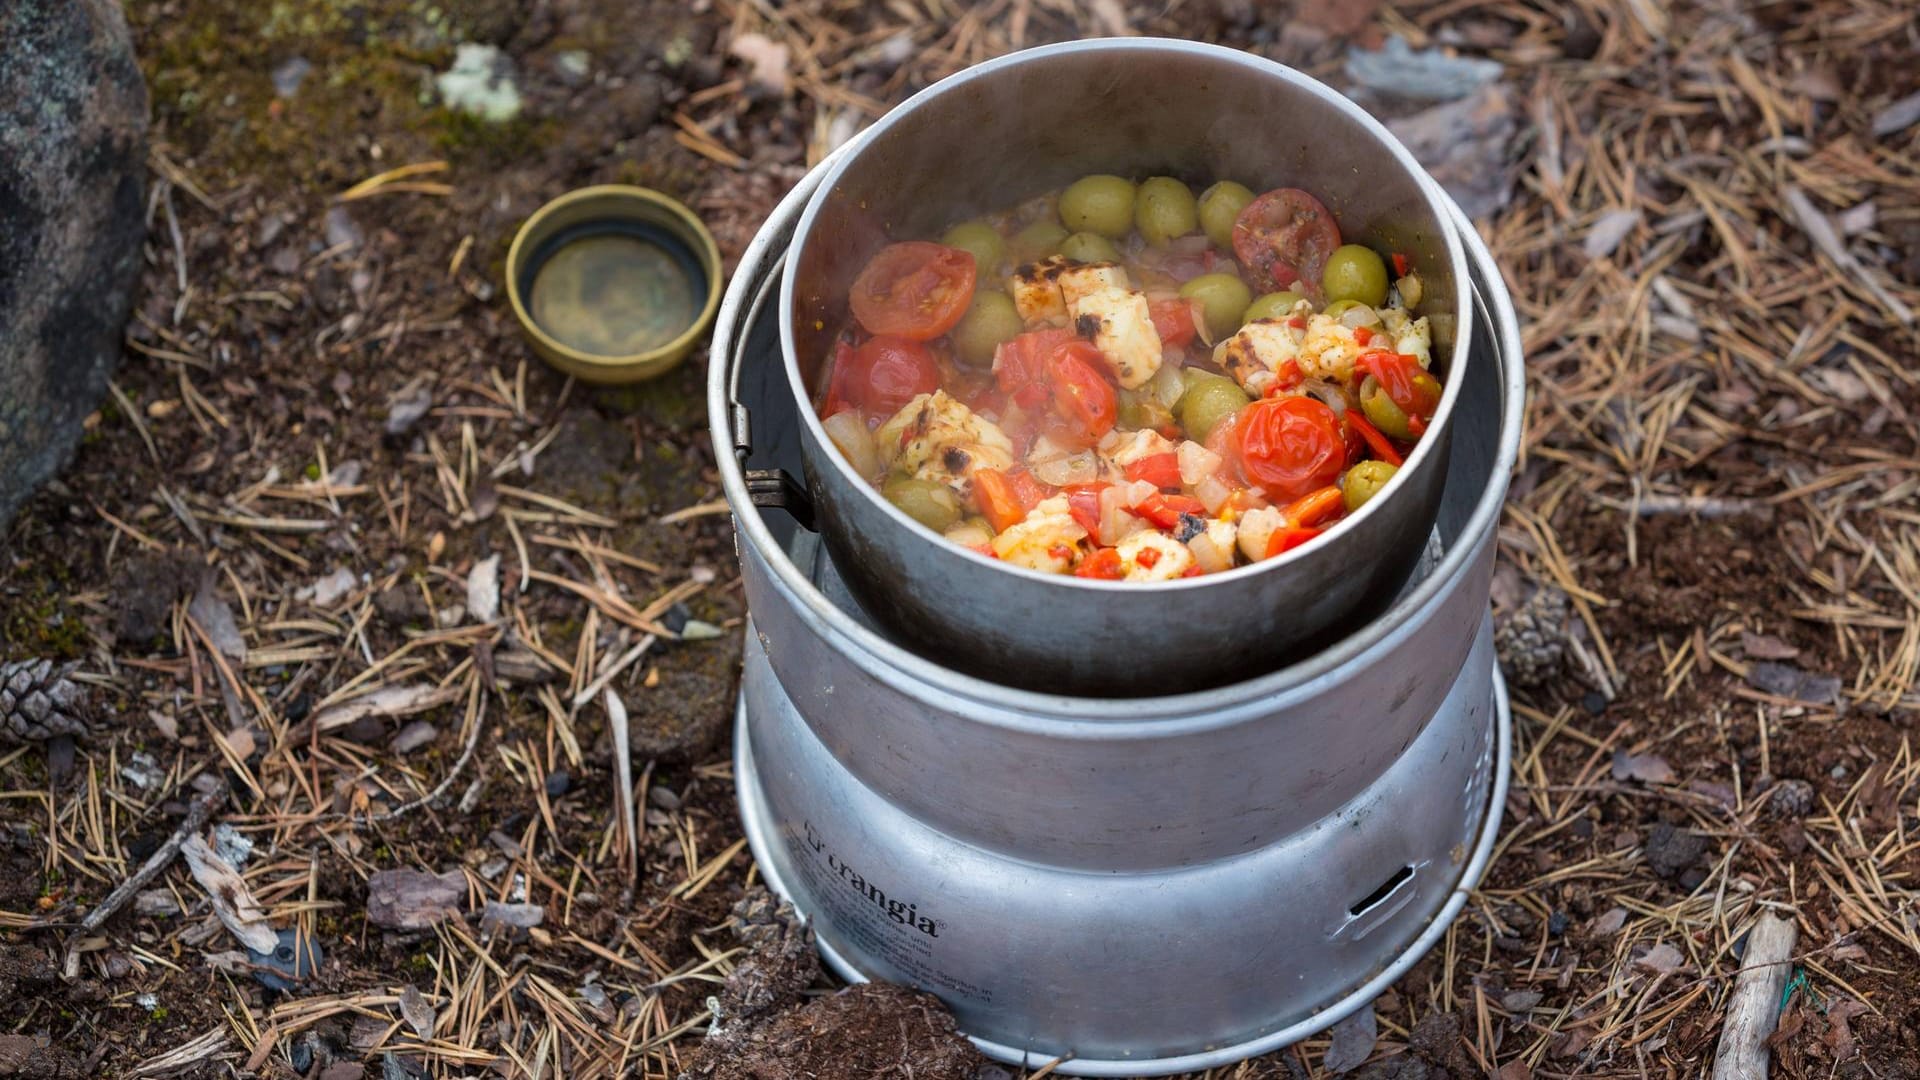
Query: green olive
column 1098, row 203
column 1089, row 247
column 1037, row 241
column 1355, row 272
column 991, row 320
column 1141, row 410
column 1209, row 399
column 1225, row 298
column 1383, row 413
column 1364, row 481
column 1164, row 210
column 1274, row 305
column 1220, row 207
column 1339, row 308
column 980, row 240
column 930, row 504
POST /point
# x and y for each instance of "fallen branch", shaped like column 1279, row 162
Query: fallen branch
column 198, row 813
column 1754, row 1009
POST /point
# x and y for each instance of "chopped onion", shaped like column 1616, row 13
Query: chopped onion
column 1328, row 393
column 1208, row 555
column 1213, row 492
column 849, row 433
column 1080, row 468
column 1167, row 385
column 1359, row 315
column 1197, row 463
column 1115, row 523
column 1411, row 290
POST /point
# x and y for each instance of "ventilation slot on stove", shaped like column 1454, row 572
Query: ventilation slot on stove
column 1373, row 899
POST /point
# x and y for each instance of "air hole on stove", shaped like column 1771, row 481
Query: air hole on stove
column 1385, row 890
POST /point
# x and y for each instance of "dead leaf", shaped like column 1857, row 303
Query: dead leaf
column 1839, row 1037
column 1898, row 116
column 1787, row 681
column 414, row 900
column 327, row 591
column 215, row 617
column 417, row 1011
column 1610, row 923
column 1341, row 18
column 1766, row 647
column 767, row 61
column 415, row 735
column 1353, row 1040
column 1519, row 1001
column 228, row 893
column 402, row 700
column 1646, row 768
column 1513, row 1070
column 1662, row 959
column 1464, row 144
column 483, row 590
column 1609, row 231
column 408, row 404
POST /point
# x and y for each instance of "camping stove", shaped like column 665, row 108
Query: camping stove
column 1141, row 885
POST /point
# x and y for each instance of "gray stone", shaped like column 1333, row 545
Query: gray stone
column 73, row 147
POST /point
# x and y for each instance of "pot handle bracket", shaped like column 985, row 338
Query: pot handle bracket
column 767, row 488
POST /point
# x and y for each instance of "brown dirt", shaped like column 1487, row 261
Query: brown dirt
column 304, row 318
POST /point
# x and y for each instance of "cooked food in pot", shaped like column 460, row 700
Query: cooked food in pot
column 1127, row 382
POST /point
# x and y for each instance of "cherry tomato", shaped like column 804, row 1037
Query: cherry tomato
column 836, row 399
column 1085, row 401
column 1103, row 564
column 885, row 373
column 1173, row 321
column 1381, row 446
column 1285, row 237
column 1288, row 446
column 1083, row 502
column 915, row 290
column 1020, row 364
column 1160, row 470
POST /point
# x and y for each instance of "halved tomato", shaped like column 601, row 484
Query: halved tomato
column 884, row 373
column 1084, row 400
column 1020, row 364
column 1285, row 237
column 1173, row 321
column 915, row 290
column 1289, row 446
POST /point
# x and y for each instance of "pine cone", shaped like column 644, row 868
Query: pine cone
column 1532, row 642
column 39, row 701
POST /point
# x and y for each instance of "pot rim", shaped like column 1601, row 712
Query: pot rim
column 1054, row 714
column 1437, row 204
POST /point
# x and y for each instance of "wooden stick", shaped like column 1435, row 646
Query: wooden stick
column 198, row 812
column 1754, row 1009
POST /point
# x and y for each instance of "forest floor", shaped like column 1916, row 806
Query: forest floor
column 328, row 446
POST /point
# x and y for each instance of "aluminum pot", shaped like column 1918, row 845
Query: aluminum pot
column 1029, row 123
column 1156, row 884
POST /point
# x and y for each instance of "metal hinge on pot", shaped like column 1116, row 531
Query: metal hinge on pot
column 777, row 489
